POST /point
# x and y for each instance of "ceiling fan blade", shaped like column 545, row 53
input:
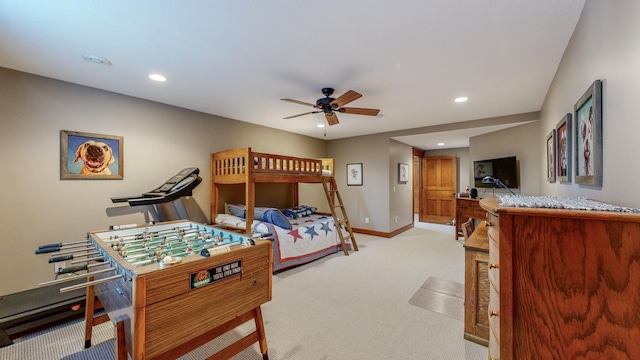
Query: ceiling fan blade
column 307, row 113
column 299, row 102
column 346, row 98
column 359, row 111
column 332, row 119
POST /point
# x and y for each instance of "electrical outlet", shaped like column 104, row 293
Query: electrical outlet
column 58, row 265
column 395, row 219
column 366, row 220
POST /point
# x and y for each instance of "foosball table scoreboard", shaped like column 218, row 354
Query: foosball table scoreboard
column 172, row 287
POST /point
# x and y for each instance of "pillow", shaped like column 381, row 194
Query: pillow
column 277, row 218
column 299, row 211
column 258, row 227
column 237, row 210
column 270, row 215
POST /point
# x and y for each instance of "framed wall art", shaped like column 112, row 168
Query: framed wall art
column 403, row 173
column 588, row 136
column 354, row 174
column 551, row 156
column 563, row 149
column 91, row 156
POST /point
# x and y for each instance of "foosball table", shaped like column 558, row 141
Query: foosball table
column 171, row 287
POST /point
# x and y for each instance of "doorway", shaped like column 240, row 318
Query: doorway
column 438, row 184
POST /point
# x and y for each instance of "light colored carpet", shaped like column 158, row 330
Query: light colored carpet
column 340, row 307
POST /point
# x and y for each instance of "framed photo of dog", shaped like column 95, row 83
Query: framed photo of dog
column 588, row 136
column 91, row 156
column 563, row 149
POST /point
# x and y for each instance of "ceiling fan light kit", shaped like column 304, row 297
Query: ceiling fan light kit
column 329, row 106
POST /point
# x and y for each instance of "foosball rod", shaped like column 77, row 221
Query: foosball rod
column 76, row 268
column 148, row 241
column 90, row 283
column 70, row 257
column 156, row 240
column 75, row 277
column 62, row 244
column 216, row 249
column 156, row 232
column 72, row 251
column 194, row 249
column 87, row 260
column 175, row 245
column 135, row 259
column 47, row 249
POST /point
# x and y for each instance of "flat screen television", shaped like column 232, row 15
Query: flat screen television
column 504, row 169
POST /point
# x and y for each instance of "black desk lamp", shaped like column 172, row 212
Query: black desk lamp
column 492, row 180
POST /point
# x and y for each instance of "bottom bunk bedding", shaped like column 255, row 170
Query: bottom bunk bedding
column 310, row 238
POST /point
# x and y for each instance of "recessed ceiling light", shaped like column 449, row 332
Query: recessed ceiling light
column 320, row 125
column 95, row 59
column 157, row 77
column 461, row 99
column 440, row 144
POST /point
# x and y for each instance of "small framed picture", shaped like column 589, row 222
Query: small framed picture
column 354, row 174
column 563, row 149
column 482, row 169
column 403, row 173
column 588, row 136
column 551, row 156
column 90, row 156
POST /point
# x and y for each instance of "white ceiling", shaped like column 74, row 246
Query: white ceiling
column 237, row 59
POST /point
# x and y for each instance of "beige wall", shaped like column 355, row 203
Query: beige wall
column 371, row 199
column 159, row 140
column 376, row 198
column 519, row 141
column 400, row 194
column 604, row 46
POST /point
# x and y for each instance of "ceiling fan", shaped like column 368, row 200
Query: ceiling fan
column 329, row 106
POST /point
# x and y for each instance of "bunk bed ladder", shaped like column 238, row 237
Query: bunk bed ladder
column 331, row 190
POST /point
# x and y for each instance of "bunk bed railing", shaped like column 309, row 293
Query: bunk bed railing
column 242, row 162
column 270, row 163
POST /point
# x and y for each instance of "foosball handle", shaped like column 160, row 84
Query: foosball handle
column 58, row 245
column 61, row 258
column 71, row 269
column 47, row 249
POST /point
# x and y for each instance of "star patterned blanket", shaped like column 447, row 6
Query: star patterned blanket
column 310, row 238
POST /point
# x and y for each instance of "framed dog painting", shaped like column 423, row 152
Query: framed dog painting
column 563, row 149
column 588, row 136
column 90, row 156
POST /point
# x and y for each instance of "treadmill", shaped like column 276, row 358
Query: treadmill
column 181, row 184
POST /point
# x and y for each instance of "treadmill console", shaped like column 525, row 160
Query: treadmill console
column 177, row 186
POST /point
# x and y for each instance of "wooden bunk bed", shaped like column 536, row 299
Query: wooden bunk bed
column 243, row 166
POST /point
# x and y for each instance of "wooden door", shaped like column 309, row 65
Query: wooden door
column 439, row 178
column 416, row 184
